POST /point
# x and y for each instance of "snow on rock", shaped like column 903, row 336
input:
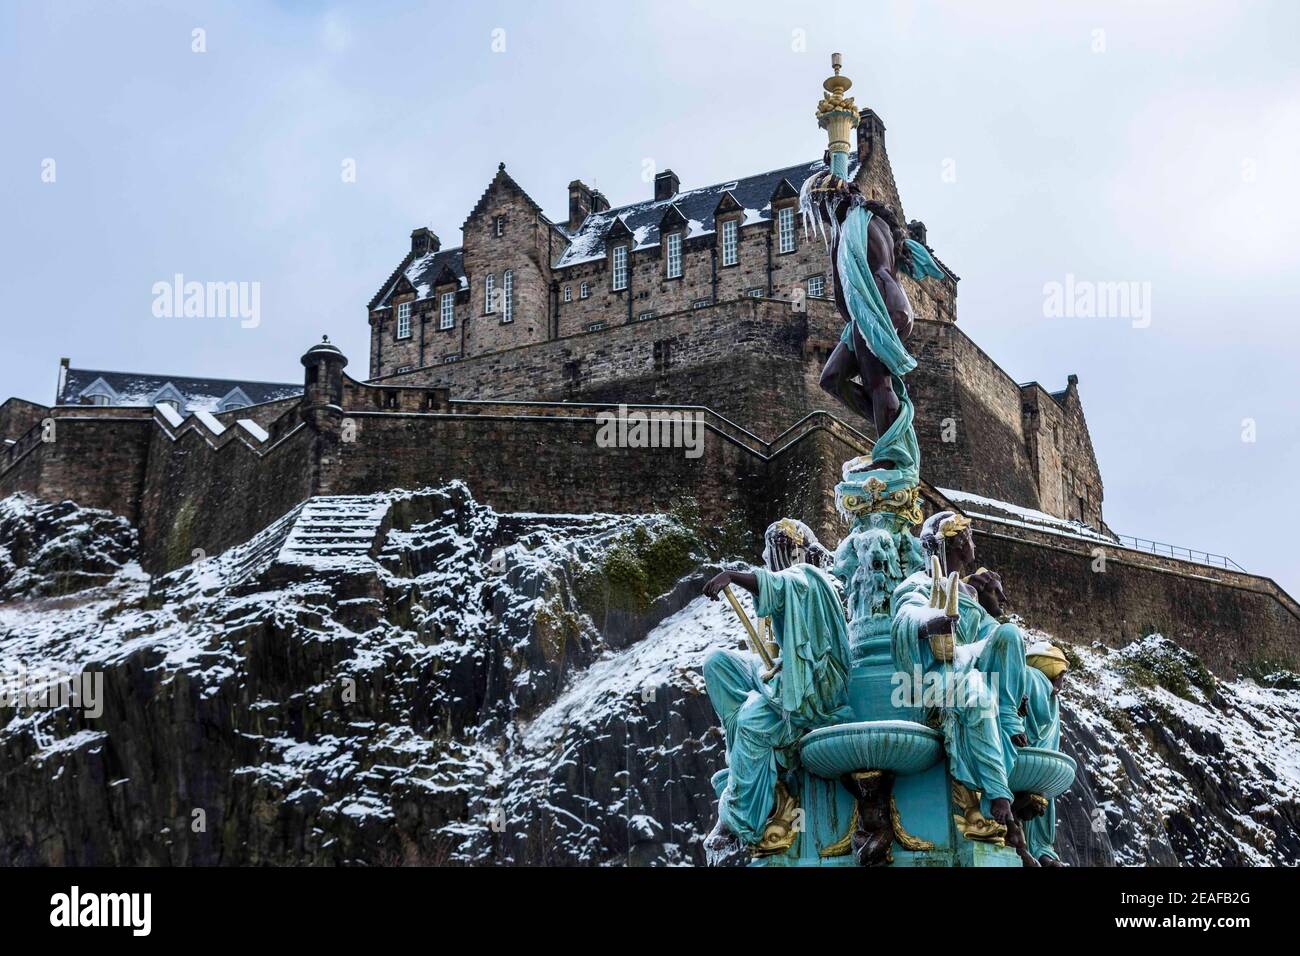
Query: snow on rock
column 475, row 687
column 54, row 548
column 1178, row 768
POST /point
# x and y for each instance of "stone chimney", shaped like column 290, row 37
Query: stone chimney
column 598, row 201
column 579, row 203
column 666, row 185
column 423, row 241
column 916, row 230
column 870, row 132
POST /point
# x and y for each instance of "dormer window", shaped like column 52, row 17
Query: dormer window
column 234, row 399
column 489, row 293
column 730, row 244
column 404, row 320
column 99, row 392
column 619, row 269
column 785, row 229
column 673, row 255
column 169, row 395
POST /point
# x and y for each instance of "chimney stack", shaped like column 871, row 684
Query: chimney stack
column 870, row 131
column 666, row 185
column 579, row 203
column 423, row 241
column 598, row 201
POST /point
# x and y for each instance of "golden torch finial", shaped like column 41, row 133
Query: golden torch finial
column 837, row 114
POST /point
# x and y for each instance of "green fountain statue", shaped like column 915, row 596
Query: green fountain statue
column 916, row 732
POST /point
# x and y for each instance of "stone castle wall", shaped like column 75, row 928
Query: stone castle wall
column 1235, row 622
column 188, row 489
column 758, row 361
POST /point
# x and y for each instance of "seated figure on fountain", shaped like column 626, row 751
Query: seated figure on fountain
column 765, row 711
column 975, row 665
column 1044, row 679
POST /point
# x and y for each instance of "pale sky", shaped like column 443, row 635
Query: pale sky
column 1146, row 142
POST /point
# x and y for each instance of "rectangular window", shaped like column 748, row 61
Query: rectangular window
column 508, row 296
column 404, row 320
column 816, row 286
column 755, row 293
column 595, row 326
column 568, row 293
column 584, row 291
column 701, row 303
column 730, row 229
column 499, row 225
column 448, row 359
column 404, row 368
column 645, row 316
column 674, row 255
column 447, row 310
column 785, row 229
column 620, row 268
column 490, row 293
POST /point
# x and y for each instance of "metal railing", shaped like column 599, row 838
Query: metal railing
column 1181, row 553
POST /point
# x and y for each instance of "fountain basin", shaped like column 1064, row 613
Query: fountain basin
column 1047, row 773
column 903, row 746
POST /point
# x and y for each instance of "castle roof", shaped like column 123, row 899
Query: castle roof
column 136, row 389
column 753, row 194
column 423, row 273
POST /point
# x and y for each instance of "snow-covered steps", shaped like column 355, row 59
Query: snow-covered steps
column 335, row 530
column 249, row 560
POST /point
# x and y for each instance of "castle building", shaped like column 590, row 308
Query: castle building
column 626, row 304
column 495, row 362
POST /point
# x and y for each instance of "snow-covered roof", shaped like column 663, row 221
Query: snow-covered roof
column 753, row 194
column 423, row 272
column 138, row 389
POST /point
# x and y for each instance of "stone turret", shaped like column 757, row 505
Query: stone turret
column 322, row 398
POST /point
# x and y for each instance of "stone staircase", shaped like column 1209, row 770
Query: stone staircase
column 333, row 530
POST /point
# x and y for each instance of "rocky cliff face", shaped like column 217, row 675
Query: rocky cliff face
column 412, row 678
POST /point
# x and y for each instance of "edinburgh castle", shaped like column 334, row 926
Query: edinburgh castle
column 490, row 362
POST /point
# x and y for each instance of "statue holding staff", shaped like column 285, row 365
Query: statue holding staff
column 765, row 708
column 940, row 628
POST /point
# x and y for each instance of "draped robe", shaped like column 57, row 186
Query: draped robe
column 764, row 720
column 977, row 723
column 1043, row 728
